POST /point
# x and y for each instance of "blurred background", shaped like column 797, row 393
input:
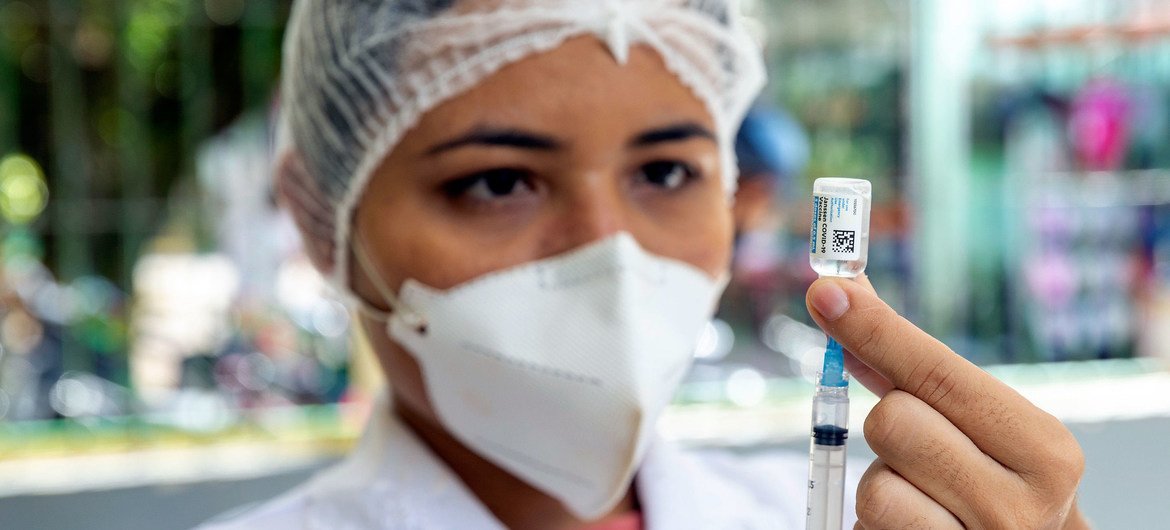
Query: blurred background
column 168, row 353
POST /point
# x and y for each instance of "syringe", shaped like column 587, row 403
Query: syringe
column 830, row 428
column 838, row 246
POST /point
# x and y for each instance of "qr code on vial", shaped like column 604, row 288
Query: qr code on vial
column 843, row 241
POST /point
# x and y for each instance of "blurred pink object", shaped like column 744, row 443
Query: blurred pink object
column 1099, row 126
column 1052, row 279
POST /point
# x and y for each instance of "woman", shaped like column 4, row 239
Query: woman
column 530, row 200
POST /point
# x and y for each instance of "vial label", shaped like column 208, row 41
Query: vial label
column 837, row 222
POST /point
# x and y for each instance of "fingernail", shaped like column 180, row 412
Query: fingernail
column 829, row 300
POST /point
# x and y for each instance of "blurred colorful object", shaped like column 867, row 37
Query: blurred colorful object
column 23, row 193
column 1100, row 125
column 772, row 142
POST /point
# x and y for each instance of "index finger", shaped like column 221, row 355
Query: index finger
column 1000, row 421
column 861, row 372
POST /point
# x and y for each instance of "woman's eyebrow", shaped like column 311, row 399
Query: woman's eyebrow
column 672, row 133
column 499, row 137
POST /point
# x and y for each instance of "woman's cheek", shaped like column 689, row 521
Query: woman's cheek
column 702, row 236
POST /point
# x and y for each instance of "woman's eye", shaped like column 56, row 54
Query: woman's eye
column 490, row 185
column 666, row 174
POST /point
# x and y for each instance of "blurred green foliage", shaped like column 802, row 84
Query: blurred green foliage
column 112, row 98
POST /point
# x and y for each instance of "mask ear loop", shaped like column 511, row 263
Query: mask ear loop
column 412, row 318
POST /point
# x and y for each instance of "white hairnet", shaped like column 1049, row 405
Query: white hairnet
column 359, row 73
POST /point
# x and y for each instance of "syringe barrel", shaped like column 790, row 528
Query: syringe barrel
column 830, row 414
column 826, row 480
column 826, row 488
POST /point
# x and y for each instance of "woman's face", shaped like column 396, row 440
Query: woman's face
column 553, row 152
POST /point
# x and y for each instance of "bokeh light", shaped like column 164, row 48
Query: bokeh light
column 715, row 342
column 746, row 387
column 77, row 395
column 149, row 31
column 23, row 193
column 18, row 23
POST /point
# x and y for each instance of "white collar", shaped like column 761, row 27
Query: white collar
column 392, row 480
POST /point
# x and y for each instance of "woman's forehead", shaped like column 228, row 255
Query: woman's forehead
column 572, row 89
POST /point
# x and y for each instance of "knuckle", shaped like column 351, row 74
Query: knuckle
column 874, row 509
column 1076, row 465
column 1059, row 466
column 1046, row 507
column 872, row 480
column 880, row 503
column 997, row 510
column 1065, row 463
column 881, row 424
column 1072, row 456
column 989, row 509
column 1041, row 514
column 939, row 382
column 874, row 503
column 872, row 331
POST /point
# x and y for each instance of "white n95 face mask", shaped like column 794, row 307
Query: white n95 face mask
column 557, row 370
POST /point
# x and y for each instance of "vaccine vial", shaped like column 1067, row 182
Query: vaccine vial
column 839, row 239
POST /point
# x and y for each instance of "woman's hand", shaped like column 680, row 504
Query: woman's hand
column 956, row 447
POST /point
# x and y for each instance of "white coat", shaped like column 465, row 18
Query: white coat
column 393, row 481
